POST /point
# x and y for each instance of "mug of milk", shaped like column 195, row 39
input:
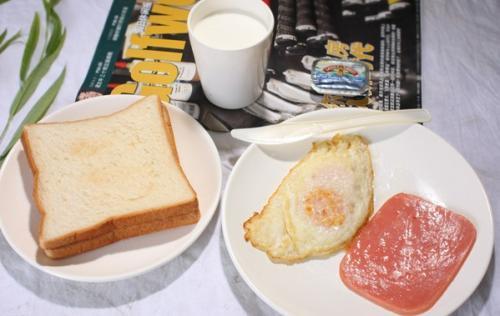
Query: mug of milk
column 231, row 42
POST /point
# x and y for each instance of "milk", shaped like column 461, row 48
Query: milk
column 229, row 30
column 231, row 42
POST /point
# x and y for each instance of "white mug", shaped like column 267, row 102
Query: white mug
column 231, row 77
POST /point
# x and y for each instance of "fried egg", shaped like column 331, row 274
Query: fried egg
column 319, row 206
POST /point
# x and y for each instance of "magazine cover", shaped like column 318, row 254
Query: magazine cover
column 144, row 49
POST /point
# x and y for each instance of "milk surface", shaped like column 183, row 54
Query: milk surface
column 229, row 30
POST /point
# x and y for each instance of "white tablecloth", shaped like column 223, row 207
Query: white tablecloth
column 461, row 88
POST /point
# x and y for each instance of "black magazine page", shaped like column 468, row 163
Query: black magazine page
column 144, row 49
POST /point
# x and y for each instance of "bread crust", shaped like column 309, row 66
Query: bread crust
column 94, row 235
column 114, row 223
column 169, row 131
column 121, row 233
column 248, row 236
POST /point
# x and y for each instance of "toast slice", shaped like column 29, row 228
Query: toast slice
column 319, row 205
column 121, row 233
column 103, row 175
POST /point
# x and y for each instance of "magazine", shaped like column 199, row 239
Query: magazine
column 144, row 49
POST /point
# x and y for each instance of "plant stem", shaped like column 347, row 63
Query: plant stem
column 4, row 131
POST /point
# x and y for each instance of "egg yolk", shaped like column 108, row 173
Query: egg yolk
column 324, row 207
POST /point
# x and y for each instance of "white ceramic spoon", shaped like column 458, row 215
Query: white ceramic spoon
column 291, row 131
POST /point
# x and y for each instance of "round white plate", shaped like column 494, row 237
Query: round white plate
column 19, row 217
column 408, row 159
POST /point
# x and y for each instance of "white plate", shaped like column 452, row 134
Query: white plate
column 408, row 159
column 19, row 217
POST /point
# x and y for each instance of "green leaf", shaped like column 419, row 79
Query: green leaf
column 47, row 4
column 31, row 83
column 3, row 1
column 30, row 47
column 9, row 41
column 2, row 36
column 48, row 10
column 56, row 35
column 37, row 112
column 54, row 24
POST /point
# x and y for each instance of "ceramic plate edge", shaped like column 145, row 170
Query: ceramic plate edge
column 226, row 238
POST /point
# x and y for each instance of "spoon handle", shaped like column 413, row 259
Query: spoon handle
column 380, row 118
column 292, row 131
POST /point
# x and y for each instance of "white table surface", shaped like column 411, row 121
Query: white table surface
column 461, row 88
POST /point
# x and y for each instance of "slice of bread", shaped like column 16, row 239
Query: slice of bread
column 103, row 175
column 320, row 204
column 121, row 233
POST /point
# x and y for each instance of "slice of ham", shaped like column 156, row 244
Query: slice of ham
column 408, row 254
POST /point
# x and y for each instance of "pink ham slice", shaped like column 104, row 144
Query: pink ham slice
column 408, row 254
